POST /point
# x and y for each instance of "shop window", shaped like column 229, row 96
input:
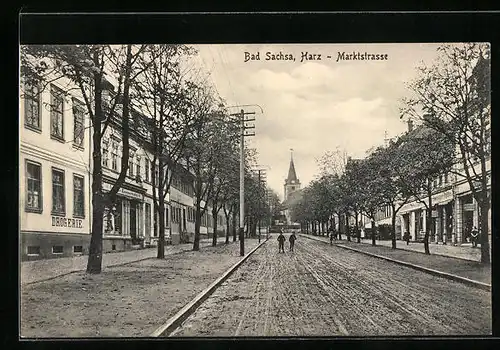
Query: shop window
column 32, row 102
column 78, row 196
column 34, row 250
column 78, row 249
column 78, row 123
column 58, row 196
column 34, row 187
column 56, row 113
column 57, row 249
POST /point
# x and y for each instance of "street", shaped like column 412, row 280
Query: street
column 323, row 290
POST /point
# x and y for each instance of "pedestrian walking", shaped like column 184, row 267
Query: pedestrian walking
column 332, row 236
column 292, row 239
column 281, row 242
column 406, row 237
column 473, row 236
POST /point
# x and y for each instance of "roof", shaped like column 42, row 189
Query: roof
column 292, row 176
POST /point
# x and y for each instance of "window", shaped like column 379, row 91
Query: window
column 32, row 106
column 57, row 249
column 157, row 174
column 114, row 156
column 105, row 155
column 34, row 187
column 78, row 196
column 446, row 178
column 78, row 249
column 56, row 113
column 131, row 166
column 146, row 169
column 138, row 166
column 440, row 180
column 34, row 250
column 78, row 123
column 58, row 204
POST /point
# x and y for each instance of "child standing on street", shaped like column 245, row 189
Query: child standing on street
column 292, row 241
column 281, row 242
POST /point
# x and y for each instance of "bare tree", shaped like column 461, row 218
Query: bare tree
column 453, row 97
column 164, row 97
column 102, row 76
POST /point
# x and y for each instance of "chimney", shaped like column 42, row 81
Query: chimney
column 410, row 126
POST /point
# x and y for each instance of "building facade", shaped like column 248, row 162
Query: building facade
column 54, row 186
column 55, row 179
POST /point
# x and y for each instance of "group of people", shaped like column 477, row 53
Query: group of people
column 281, row 242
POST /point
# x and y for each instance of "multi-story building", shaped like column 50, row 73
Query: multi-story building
column 56, row 174
column 54, row 186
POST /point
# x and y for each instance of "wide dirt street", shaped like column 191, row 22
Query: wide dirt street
column 323, row 290
column 131, row 300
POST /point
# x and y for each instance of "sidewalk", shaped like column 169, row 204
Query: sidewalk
column 123, row 301
column 451, row 265
column 40, row 270
column 460, row 252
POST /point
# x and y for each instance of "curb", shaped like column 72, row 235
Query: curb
column 190, row 307
column 449, row 276
column 438, row 254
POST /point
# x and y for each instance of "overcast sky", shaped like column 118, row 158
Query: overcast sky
column 316, row 105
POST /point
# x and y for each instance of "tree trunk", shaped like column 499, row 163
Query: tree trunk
column 214, row 235
column 161, row 238
column 95, row 249
column 161, row 215
column 197, row 224
column 94, row 263
column 393, row 229
column 373, row 232
column 484, row 222
column 234, row 226
column 226, row 215
column 347, row 231
column 358, row 231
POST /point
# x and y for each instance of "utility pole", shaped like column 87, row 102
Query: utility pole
column 243, row 127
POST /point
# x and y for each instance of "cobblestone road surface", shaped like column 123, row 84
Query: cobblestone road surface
column 324, row 290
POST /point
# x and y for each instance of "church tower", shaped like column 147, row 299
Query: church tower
column 292, row 183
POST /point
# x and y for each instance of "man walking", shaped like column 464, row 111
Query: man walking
column 292, row 241
column 281, row 242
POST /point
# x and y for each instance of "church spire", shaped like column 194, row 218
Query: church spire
column 292, row 176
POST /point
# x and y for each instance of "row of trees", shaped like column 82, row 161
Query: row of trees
column 148, row 91
column 450, row 106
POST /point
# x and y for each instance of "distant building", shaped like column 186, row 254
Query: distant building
column 292, row 191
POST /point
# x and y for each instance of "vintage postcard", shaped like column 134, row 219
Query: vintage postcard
column 239, row 190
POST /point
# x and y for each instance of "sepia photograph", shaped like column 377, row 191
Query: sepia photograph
column 255, row 190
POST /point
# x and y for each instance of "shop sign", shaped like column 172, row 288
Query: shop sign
column 469, row 207
column 124, row 192
column 60, row 221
